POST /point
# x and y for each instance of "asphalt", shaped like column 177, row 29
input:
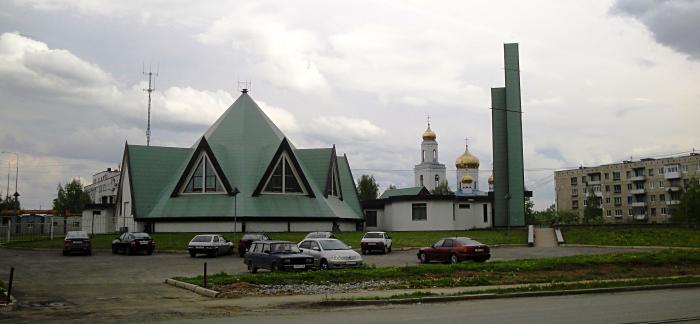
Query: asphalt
column 107, row 287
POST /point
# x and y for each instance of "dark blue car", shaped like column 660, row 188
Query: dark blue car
column 276, row 256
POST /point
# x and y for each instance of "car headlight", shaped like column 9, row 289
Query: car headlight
column 287, row 261
column 336, row 257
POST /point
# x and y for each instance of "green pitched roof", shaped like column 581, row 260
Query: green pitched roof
column 412, row 191
column 243, row 141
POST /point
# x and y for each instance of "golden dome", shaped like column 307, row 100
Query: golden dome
column 467, row 161
column 491, row 179
column 467, row 179
column 429, row 135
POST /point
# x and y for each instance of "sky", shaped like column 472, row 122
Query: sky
column 602, row 81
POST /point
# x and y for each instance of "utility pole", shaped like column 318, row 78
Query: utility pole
column 151, row 87
column 16, row 194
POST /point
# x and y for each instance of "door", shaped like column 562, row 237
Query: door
column 434, row 251
column 446, row 250
column 315, row 251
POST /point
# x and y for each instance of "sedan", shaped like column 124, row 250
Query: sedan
column 277, row 256
column 133, row 243
column 455, row 249
column 209, row 244
column 77, row 241
column 330, row 253
column 247, row 240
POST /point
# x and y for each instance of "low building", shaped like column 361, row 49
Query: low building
column 642, row 191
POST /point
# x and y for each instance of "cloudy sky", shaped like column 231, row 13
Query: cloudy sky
column 601, row 80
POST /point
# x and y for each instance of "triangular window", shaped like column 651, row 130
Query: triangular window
column 284, row 178
column 334, row 189
column 204, row 179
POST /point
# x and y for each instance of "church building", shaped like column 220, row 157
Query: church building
column 243, row 174
column 416, row 209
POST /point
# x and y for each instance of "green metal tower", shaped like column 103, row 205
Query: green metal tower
column 507, row 132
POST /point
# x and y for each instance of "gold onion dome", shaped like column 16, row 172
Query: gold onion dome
column 491, row 179
column 467, row 161
column 429, row 135
column 467, row 179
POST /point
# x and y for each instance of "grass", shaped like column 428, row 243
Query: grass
column 660, row 236
column 178, row 241
column 572, row 268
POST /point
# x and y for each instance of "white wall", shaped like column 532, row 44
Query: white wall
column 398, row 216
column 472, row 217
column 380, row 219
column 104, row 222
column 311, row 226
column 256, row 226
column 123, row 209
column 198, row 227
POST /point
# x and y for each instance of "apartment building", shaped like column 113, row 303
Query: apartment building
column 642, row 191
column 103, row 189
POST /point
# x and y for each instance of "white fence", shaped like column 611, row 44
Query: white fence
column 32, row 231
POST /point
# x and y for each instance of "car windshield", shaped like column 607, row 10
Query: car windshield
column 319, row 235
column 333, row 245
column 284, row 248
column 374, row 235
column 468, row 242
column 77, row 235
column 141, row 235
column 202, row 238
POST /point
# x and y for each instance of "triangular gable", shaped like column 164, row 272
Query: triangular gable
column 284, row 154
column 333, row 187
column 196, row 159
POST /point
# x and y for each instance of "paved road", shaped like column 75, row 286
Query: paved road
column 665, row 306
column 106, row 286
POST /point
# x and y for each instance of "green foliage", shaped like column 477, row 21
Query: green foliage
column 688, row 211
column 645, row 236
column 551, row 216
column 592, row 213
column 71, row 198
column 367, row 188
column 391, row 186
column 9, row 203
column 442, row 189
column 529, row 212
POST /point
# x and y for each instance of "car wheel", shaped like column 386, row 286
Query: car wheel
column 423, row 258
column 114, row 249
column 252, row 268
column 65, row 253
column 389, row 248
column 150, row 252
column 453, row 258
column 192, row 254
column 324, row 264
column 386, row 249
column 364, row 251
column 274, row 267
column 89, row 252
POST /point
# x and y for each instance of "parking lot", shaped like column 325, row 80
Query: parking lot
column 117, row 287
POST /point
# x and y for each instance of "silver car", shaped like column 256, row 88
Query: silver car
column 330, row 253
column 209, row 244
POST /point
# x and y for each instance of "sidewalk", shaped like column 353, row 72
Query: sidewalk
column 544, row 237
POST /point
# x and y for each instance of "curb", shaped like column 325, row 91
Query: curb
column 440, row 299
column 196, row 289
column 7, row 307
column 641, row 247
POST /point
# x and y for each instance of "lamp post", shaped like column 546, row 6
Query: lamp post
column 235, row 193
column 16, row 194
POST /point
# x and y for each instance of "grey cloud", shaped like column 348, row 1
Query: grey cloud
column 673, row 23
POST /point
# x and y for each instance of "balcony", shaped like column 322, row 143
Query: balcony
column 640, row 217
column 639, row 191
column 673, row 189
column 673, row 202
column 640, row 177
column 638, row 204
column 593, row 182
column 672, row 175
column 618, row 216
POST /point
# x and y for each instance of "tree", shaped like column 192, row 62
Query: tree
column 71, row 198
column 688, row 211
column 592, row 213
column 529, row 213
column 567, row 217
column 367, row 188
column 391, row 186
column 442, row 189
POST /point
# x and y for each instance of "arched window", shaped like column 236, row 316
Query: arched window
column 421, row 180
column 422, row 159
column 437, row 180
column 434, row 155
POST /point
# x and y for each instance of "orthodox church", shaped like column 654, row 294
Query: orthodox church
column 416, row 209
column 243, row 174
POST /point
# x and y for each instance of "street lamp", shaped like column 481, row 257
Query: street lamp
column 235, row 193
column 16, row 194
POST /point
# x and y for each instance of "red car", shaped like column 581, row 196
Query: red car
column 455, row 249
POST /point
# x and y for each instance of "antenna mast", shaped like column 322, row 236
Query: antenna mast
column 151, row 87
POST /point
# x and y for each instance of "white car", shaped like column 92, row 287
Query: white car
column 209, row 244
column 330, row 253
column 376, row 241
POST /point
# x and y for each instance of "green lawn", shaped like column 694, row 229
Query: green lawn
column 572, row 268
column 652, row 236
column 178, row 241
